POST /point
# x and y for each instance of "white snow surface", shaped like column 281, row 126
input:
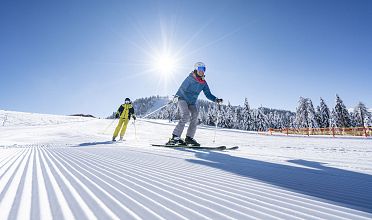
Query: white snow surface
column 65, row 167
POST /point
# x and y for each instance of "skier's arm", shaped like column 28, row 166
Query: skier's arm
column 131, row 113
column 120, row 110
column 208, row 94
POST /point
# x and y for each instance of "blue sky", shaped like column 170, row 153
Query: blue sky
column 65, row 57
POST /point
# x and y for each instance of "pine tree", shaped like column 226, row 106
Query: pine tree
column 229, row 116
column 318, row 116
column 286, row 120
column 247, row 119
column 333, row 119
column 361, row 115
column 292, row 121
column 302, row 113
column 270, row 120
column 170, row 112
column 202, row 115
column 261, row 120
column 312, row 120
column 305, row 114
column 342, row 116
column 278, row 120
column 212, row 115
column 324, row 114
column 237, row 118
column 221, row 115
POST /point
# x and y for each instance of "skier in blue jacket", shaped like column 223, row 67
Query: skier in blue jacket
column 187, row 96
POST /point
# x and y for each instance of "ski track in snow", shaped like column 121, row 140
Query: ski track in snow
column 74, row 177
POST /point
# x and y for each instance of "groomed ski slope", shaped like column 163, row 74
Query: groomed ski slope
column 65, row 168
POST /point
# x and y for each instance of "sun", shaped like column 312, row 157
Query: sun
column 164, row 64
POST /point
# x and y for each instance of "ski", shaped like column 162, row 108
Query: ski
column 118, row 141
column 232, row 148
column 190, row 147
column 222, row 147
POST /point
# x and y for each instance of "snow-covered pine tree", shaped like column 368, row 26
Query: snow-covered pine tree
column 221, row 115
column 368, row 122
column 311, row 114
column 212, row 115
column 261, row 120
column 170, row 112
column 342, row 116
column 333, row 119
column 229, row 116
column 237, row 118
column 305, row 114
column 292, row 121
column 286, row 120
column 274, row 120
column 247, row 119
column 270, row 120
column 202, row 115
column 302, row 113
column 278, row 120
column 361, row 115
column 318, row 116
column 324, row 114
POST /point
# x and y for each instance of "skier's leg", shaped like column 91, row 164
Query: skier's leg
column 118, row 127
column 124, row 128
column 193, row 121
column 185, row 116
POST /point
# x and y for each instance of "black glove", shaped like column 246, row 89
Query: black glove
column 117, row 115
column 219, row 101
column 134, row 117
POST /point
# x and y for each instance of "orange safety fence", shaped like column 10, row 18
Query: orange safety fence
column 353, row 131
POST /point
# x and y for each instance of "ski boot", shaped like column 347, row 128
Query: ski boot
column 176, row 141
column 191, row 141
column 113, row 139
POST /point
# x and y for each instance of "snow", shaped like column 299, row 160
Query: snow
column 65, row 167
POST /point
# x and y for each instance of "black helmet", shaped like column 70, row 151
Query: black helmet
column 127, row 100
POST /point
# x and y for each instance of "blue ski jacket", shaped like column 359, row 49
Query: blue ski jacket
column 191, row 88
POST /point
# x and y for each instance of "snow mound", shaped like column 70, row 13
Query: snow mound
column 13, row 118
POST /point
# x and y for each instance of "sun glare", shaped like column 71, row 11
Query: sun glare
column 165, row 64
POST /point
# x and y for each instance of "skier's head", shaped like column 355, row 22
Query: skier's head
column 199, row 69
column 127, row 100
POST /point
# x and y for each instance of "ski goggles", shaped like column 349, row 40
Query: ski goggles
column 201, row 68
column 126, row 102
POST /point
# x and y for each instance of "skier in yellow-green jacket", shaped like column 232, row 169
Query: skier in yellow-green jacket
column 125, row 112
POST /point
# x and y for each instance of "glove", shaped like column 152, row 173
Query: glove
column 134, row 117
column 219, row 101
column 175, row 99
column 117, row 115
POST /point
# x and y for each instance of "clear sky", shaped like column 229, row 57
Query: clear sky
column 66, row 57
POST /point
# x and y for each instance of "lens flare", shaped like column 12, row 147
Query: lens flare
column 164, row 64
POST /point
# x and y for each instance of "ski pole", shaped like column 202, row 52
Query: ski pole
column 104, row 131
column 135, row 130
column 155, row 111
column 170, row 102
column 218, row 115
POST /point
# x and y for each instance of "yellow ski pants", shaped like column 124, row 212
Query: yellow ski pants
column 123, row 122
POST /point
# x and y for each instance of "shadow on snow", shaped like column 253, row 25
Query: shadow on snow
column 94, row 143
column 346, row 188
